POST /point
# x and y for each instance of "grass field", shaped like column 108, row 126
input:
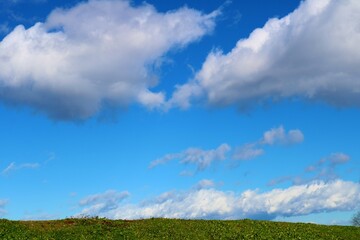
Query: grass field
column 95, row 228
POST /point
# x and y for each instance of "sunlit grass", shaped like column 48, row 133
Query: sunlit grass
column 97, row 228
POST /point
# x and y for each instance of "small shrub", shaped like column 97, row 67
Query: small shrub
column 356, row 219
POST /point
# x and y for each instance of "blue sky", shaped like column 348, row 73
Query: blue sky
column 180, row 109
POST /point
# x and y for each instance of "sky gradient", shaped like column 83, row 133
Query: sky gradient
column 180, row 109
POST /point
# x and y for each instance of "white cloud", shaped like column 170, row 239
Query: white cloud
column 2, row 207
column 99, row 203
column 215, row 204
column 94, row 54
column 274, row 136
column 247, row 151
column 14, row 167
column 202, row 159
column 279, row 136
column 309, row 54
column 205, row 183
column 324, row 170
column 183, row 95
column 338, row 158
column 297, row 180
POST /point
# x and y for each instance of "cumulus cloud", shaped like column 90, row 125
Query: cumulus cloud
column 100, row 52
column 324, row 169
column 309, row 54
column 103, row 202
column 202, row 159
column 15, row 167
column 279, row 136
column 210, row 203
column 274, row 136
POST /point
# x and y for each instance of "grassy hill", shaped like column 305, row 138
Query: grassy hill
column 171, row 229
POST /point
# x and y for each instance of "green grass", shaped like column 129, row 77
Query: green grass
column 95, row 228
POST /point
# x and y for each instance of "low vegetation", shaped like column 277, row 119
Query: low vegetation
column 96, row 228
column 356, row 219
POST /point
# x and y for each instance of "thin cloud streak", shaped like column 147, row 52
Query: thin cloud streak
column 15, row 167
column 202, row 159
column 322, row 170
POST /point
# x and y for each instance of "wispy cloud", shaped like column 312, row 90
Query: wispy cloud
column 247, row 151
column 202, row 159
column 50, row 157
column 4, row 28
column 15, row 167
column 274, row 136
column 209, row 203
column 103, row 202
column 302, row 55
column 205, row 183
column 324, row 169
column 2, row 207
column 40, row 215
